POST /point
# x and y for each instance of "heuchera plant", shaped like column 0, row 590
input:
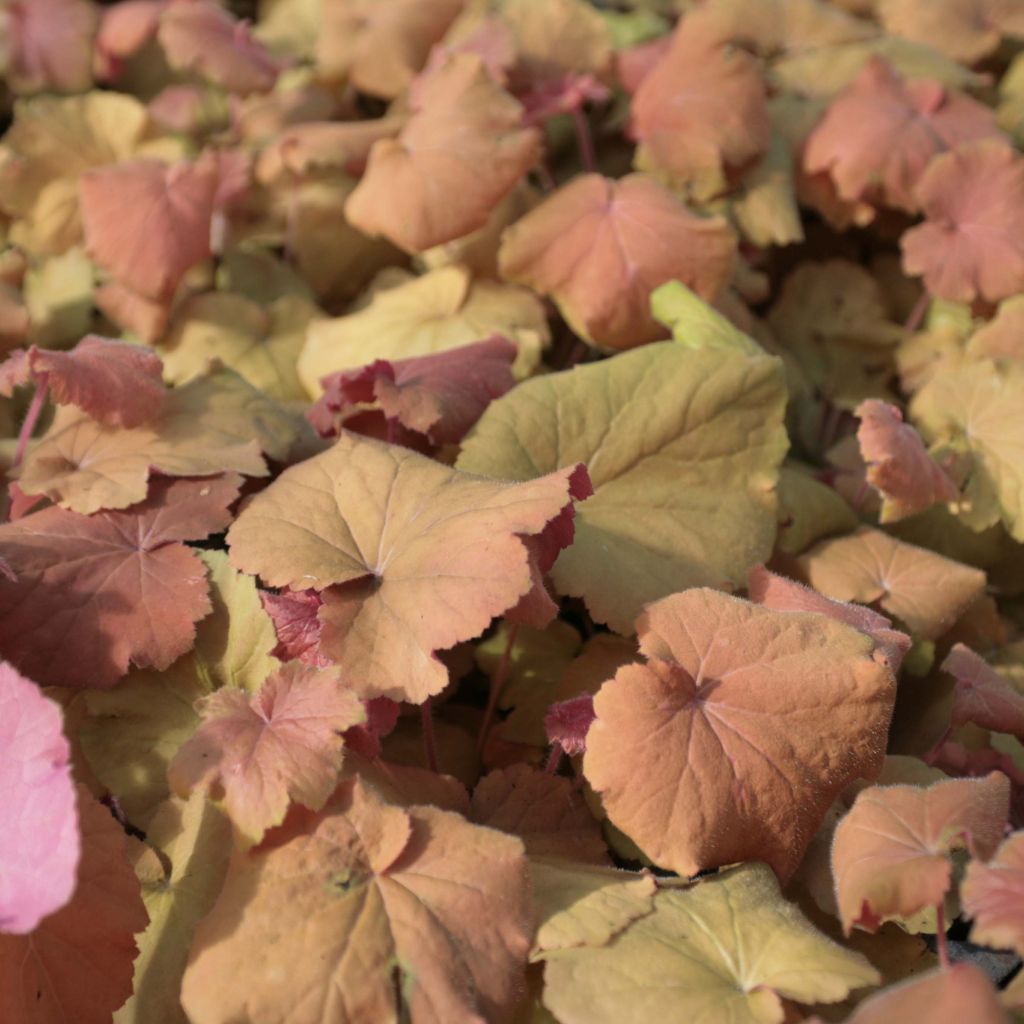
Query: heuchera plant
column 512, row 511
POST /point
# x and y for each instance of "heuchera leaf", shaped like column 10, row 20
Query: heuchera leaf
column 440, row 395
column 441, row 310
column 683, row 449
column 993, row 895
column 879, row 135
column 567, row 723
column 599, row 247
column 919, row 587
column 148, row 223
column 699, row 113
column 982, row 695
column 746, row 759
column 728, row 948
column 201, row 37
column 296, row 621
column 399, row 536
column 212, row 425
column 255, row 753
column 462, row 121
column 49, row 45
column 413, row 912
column 900, row 469
column 890, row 855
column 695, row 324
column 951, row 995
column 97, row 593
column 970, row 243
column 543, row 810
column 39, row 844
column 965, row 30
column 114, row 382
column 77, row 965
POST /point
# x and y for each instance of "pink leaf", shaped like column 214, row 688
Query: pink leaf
column 568, row 721
column 982, row 695
column 39, row 841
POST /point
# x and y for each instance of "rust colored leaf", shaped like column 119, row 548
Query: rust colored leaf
column 95, row 594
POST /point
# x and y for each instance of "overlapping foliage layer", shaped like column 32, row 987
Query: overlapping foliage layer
column 513, row 511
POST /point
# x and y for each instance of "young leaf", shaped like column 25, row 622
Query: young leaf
column 695, row 324
column 295, row 615
column 411, row 557
column 720, row 747
column 212, row 425
column 95, row 594
column 77, row 965
column 908, row 479
column 259, row 752
column 728, row 948
column 412, row 912
column 462, row 121
column 890, row 855
column 683, row 448
column 599, row 247
column 993, row 895
column 982, row 695
column 39, row 844
column 922, row 589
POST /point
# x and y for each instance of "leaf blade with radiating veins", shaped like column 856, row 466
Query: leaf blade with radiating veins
column 890, row 855
column 212, row 425
column 412, row 912
column 411, row 557
column 683, row 448
column 728, row 948
column 95, row 594
column 746, row 759
column 263, row 750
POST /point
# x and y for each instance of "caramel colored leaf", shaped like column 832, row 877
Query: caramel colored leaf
column 256, row 753
column 193, row 843
column 95, row 594
column 1003, row 336
column 462, row 121
column 683, row 449
column 982, row 695
column 969, row 245
column 412, row 912
column 212, row 425
column 890, row 855
column 977, row 410
column 599, row 248
column 965, row 30
column 920, row 588
column 543, row 810
column 77, row 965
column 412, row 557
column 746, row 759
column 439, row 311
column 729, row 948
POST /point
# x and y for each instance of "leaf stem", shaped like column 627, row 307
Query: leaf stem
column 940, row 935
column 584, row 139
column 917, row 313
column 28, row 425
column 429, row 738
column 497, row 684
column 554, row 759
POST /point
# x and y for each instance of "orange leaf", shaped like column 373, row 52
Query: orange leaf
column 260, row 751
column 599, row 248
column 890, row 855
column 460, row 154
column 412, row 556
column 374, row 913
column 734, row 738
